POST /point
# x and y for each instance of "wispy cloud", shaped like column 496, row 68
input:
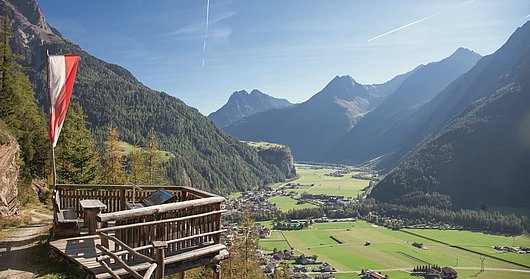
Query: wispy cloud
column 528, row 16
column 206, row 32
column 198, row 27
column 420, row 20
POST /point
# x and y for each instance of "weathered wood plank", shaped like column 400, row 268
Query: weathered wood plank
column 150, row 210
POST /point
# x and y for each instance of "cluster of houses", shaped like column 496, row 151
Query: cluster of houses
column 254, row 201
column 328, row 200
column 518, row 250
column 303, row 267
column 435, row 272
column 339, row 173
column 291, row 185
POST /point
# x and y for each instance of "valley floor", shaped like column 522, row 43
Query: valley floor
column 344, row 246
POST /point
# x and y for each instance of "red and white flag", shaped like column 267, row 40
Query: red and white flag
column 61, row 73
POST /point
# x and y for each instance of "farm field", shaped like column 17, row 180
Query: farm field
column 329, row 185
column 388, row 249
column 481, row 242
column 287, row 203
column 475, row 274
column 322, row 184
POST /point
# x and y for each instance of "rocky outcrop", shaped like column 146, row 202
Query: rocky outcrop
column 280, row 156
column 9, row 150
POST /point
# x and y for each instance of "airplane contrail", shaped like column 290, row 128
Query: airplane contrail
column 420, row 20
column 206, row 32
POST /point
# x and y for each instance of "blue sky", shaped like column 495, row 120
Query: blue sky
column 287, row 49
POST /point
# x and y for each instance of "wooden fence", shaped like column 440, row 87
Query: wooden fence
column 116, row 196
column 189, row 230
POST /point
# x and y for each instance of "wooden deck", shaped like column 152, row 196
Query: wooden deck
column 81, row 251
column 141, row 242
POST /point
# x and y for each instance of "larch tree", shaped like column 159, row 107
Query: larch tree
column 137, row 166
column 156, row 173
column 113, row 172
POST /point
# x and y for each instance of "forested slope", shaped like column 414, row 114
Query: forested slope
column 110, row 95
column 482, row 157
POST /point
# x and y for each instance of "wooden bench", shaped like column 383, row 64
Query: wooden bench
column 66, row 217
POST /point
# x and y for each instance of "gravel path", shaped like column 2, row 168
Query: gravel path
column 17, row 247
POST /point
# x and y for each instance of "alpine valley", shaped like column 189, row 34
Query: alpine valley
column 411, row 160
column 456, row 128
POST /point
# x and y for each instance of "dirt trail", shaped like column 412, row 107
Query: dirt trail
column 17, row 247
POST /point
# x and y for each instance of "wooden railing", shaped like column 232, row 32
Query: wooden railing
column 115, row 196
column 183, row 234
column 186, row 228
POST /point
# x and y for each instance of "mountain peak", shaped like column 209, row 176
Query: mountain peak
column 463, row 52
column 256, row 92
column 242, row 104
column 342, row 80
column 29, row 11
column 342, row 87
column 238, row 95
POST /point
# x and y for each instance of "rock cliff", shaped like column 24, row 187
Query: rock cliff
column 278, row 155
column 9, row 151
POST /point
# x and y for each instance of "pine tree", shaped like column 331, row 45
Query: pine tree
column 77, row 157
column 113, row 172
column 19, row 110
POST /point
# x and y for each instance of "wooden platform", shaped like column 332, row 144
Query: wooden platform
column 81, row 251
column 164, row 238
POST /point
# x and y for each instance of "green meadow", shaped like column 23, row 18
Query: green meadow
column 315, row 181
column 329, row 185
column 126, row 148
column 390, row 249
column 287, row 203
column 481, row 242
column 475, row 274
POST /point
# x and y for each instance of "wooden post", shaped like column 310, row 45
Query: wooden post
column 105, row 240
column 216, row 271
column 123, row 199
column 159, row 247
column 52, row 151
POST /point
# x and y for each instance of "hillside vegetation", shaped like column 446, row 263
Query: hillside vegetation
column 205, row 157
column 481, row 158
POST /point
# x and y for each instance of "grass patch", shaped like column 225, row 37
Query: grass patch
column 388, row 249
column 491, row 274
column 127, row 148
column 234, row 195
column 329, row 185
column 481, row 242
column 287, row 203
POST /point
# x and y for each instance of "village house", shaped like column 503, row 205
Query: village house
column 325, row 267
column 449, row 273
column 326, row 275
column 370, row 274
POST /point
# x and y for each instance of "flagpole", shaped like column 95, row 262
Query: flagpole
column 52, row 150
